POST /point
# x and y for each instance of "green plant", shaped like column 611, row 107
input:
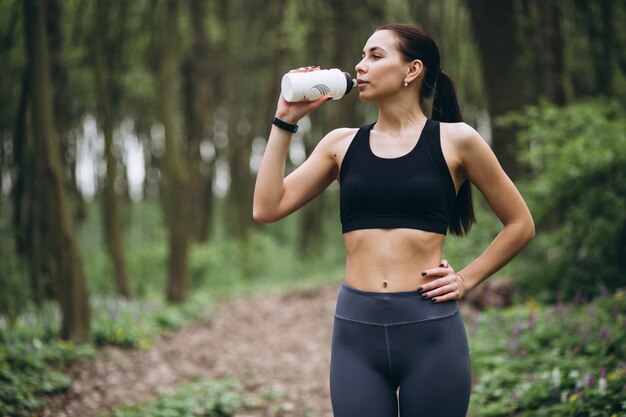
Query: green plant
column 557, row 361
column 576, row 190
column 215, row 398
column 27, row 372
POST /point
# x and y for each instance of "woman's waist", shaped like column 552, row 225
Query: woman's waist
column 389, row 308
column 378, row 272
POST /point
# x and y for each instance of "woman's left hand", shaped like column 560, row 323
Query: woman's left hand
column 443, row 285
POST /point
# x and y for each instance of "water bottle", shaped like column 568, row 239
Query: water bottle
column 311, row 85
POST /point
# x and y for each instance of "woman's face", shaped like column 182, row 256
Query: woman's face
column 382, row 70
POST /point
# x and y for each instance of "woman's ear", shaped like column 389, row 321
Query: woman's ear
column 414, row 70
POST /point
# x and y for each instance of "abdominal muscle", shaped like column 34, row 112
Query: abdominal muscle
column 390, row 260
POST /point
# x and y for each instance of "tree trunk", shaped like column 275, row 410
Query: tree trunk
column 495, row 30
column 62, row 104
column 198, row 99
column 175, row 175
column 27, row 223
column 59, row 230
column 240, row 144
column 549, row 68
column 110, row 200
column 606, row 72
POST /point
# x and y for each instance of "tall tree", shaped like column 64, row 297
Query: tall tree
column 544, row 19
column 495, row 29
column 199, row 74
column 598, row 19
column 111, row 208
column 66, row 112
column 56, row 219
column 175, row 175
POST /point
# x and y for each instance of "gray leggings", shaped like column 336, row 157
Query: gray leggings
column 395, row 351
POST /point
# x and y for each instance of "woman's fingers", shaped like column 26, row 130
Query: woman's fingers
column 445, row 286
column 305, row 69
column 298, row 110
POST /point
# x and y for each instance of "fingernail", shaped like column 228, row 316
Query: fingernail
column 440, row 265
column 420, row 289
column 424, row 296
column 423, row 273
column 433, row 300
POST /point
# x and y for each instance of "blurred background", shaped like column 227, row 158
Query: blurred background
column 131, row 132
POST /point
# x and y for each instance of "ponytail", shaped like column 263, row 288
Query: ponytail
column 446, row 105
column 414, row 43
column 446, row 109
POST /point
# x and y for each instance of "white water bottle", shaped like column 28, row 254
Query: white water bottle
column 311, row 85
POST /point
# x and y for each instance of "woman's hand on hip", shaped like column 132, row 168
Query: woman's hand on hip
column 293, row 112
column 442, row 284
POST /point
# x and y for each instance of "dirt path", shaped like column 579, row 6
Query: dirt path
column 279, row 342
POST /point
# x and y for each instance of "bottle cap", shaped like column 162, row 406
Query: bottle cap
column 350, row 82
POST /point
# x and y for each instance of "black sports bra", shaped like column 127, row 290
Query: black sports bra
column 412, row 191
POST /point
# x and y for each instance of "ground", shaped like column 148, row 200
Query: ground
column 275, row 342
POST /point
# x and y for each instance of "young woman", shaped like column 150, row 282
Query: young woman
column 398, row 340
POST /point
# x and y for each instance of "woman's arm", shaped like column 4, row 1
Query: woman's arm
column 276, row 196
column 477, row 162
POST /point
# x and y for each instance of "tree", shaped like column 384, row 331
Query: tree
column 495, row 30
column 176, row 175
column 110, row 202
column 542, row 21
column 58, row 230
column 199, row 74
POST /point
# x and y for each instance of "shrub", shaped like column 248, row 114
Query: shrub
column 220, row 398
column 576, row 190
column 557, row 361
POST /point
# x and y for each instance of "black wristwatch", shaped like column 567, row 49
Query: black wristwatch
column 284, row 125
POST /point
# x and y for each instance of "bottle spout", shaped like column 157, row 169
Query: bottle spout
column 350, row 82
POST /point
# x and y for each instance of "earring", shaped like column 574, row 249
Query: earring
column 406, row 84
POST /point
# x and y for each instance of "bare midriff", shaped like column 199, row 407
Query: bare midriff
column 390, row 260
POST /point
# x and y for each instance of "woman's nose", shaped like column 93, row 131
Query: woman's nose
column 359, row 67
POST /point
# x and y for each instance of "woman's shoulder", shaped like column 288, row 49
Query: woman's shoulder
column 460, row 134
column 340, row 137
column 341, row 133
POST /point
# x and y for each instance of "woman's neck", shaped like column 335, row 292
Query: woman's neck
column 402, row 114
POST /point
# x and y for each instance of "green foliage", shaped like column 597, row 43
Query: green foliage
column 27, row 371
column 31, row 352
column 135, row 324
column 562, row 360
column 229, row 266
column 220, row 398
column 576, row 190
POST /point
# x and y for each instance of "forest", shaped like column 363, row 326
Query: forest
column 130, row 137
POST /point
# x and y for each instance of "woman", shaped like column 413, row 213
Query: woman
column 398, row 340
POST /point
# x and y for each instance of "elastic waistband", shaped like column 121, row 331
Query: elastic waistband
column 389, row 307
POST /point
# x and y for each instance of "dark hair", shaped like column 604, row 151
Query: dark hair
column 414, row 43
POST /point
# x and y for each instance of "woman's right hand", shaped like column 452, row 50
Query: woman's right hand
column 293, row 112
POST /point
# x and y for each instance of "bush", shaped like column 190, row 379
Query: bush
column 553, row 361
column 27, row 372
column 576, row 190
column 221, row 398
